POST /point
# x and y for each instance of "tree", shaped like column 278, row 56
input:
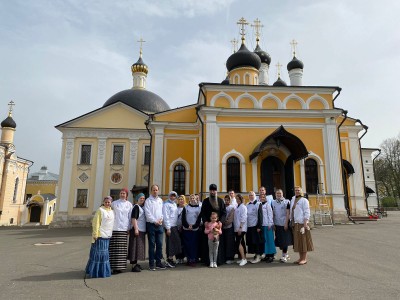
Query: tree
column 387, row 168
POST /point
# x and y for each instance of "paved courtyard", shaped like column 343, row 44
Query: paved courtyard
column 350, row 262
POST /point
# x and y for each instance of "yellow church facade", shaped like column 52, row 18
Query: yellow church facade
column 13, row 175
column 241, row 134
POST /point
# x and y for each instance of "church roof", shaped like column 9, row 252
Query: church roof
column 263, row 55
column 295, row 64
column 139, row 99
column 243, row 58
column 9, row 122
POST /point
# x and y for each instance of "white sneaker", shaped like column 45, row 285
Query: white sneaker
column 243, row 262
column 211, row 265
column 283, row 259
column 229, row 262
column 215, row 265
column 256, row 260
column 262, row 256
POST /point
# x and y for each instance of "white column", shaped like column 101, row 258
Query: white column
column 212, row 150
column 255, row 174
column 357, row 177
column 303, row 176
column 322, row 179
column 296, row 77
column 66, row 176
column 45, row 211
column 223, row 176
column 263, row 74
column 134, row 143
column 157, row 167
column 334, row 166
column 100, row 165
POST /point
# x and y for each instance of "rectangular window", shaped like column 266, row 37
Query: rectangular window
column 86, row 151
column 115, row 194
column 118, row 155
column 81, row 198
column 146, row 155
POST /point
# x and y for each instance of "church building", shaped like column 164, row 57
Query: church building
column 242, row 133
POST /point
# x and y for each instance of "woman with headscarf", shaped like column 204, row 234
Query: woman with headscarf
column 136, row 248
column 119, row 240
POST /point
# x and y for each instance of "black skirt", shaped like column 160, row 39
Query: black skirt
column 229, row 243
column 254, row 240
column 283, row 238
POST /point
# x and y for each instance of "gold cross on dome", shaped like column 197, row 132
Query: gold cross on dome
column 234, row 42
column 257, row 27
column 141, row 41
column 242, row 23
column 278, row 69
column 10, row 104
column 294, row 44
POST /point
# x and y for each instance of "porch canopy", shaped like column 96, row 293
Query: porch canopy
column 283, row 137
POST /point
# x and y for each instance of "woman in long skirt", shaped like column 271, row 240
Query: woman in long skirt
column 136, row 248
column 299, row 216
column 181, row 205
column 228, row 231
column 190, row 225
column 98, row 265
column 119, row 240
column 268, row 230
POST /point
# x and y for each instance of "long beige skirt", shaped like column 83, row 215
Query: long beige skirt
column 302, row 242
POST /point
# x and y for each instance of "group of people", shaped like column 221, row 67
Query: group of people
column 212, row 231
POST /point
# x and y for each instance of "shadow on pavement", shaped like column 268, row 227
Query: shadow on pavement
column 79, row 274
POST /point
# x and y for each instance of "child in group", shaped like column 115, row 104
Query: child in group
column 283, row 232
column 240, row 228
column 181, row 205
column 254, row 237
column 170, row 222
column 268, row 230
column 190, row 225
column 98, row 265
column 213, row 229
column 137, row 242
column 228, row 236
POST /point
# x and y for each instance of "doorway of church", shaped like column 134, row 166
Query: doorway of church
column 35, row 214
column 277, row 175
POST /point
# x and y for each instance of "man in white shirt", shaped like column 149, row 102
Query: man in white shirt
column 154, row 220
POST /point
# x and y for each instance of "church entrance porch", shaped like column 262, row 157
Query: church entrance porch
column 36, row 211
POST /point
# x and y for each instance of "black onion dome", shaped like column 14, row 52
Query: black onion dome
column 243, row 58
column 225, row 81
column 142, row 100
column 295, row 64
column 8, row 122
column 279, row 82
column 140, row 66
column 264, row 56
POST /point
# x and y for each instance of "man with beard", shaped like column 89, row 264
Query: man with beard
column 212, row 204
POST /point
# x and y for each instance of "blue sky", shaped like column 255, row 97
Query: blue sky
column 62, row 59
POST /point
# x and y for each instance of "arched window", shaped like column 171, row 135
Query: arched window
column 311, row 168
column 233, row 174
column 179, row 179
column 15, row 190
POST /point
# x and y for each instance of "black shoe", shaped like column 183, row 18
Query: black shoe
column 270, row 260
column 136, row 269
column 152, row 268
column 169, row 263
column 160, row 266
column 140, row 267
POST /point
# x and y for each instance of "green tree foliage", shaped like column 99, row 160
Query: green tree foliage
column 387, row 169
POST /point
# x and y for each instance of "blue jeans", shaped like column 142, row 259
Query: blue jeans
column 155, row 238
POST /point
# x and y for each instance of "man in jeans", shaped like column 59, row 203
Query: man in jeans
column 154, row 220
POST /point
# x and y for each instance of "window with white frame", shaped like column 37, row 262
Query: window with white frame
column 82, row 198
column 233, row 173
column 311, row 170
column 179, row 179
column 118, row 155
column 86, row 151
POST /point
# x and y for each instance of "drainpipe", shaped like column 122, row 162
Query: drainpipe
column 376, row 185
column 344, row 179
column 147, row 122
column 202, row 142
column 365, row 127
